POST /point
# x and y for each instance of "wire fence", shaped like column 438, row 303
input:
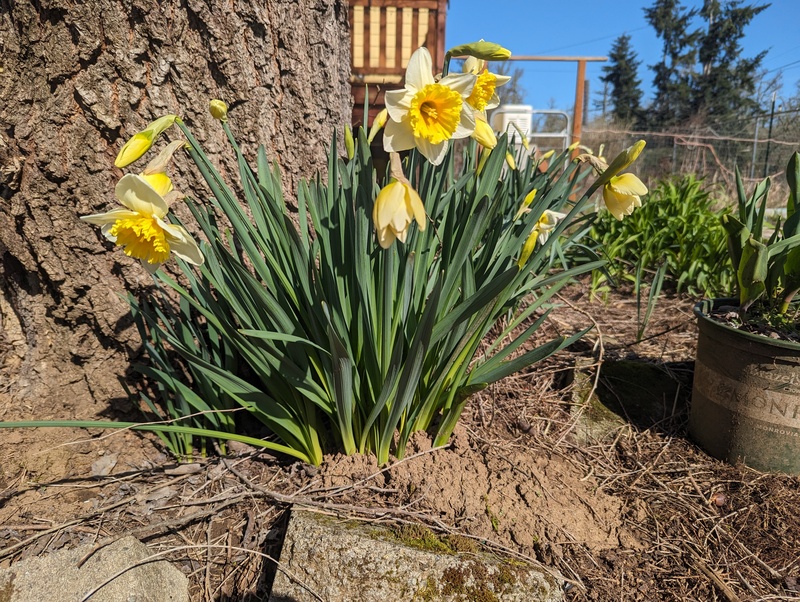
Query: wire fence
column 699, row 151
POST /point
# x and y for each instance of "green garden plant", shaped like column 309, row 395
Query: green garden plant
column 767, row 268
column 384, row 310
column 678, row 228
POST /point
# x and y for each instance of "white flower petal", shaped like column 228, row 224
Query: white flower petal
column 109, row 217
column 466, row 126
column 460, row 82
column 419, row 72
column 397, row 103
column 397, row 136
column 137, row 195
column 182, row 244
column 433, row 152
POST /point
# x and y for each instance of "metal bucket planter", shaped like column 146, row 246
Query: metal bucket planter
column 746, row 395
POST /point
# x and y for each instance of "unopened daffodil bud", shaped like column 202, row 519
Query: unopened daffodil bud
column 488, row 51
column 512, row 164
column 526, row 203
column 141, row 142
column 483, row 133
column 349, row 143
column 218, row 110
column 377, row 124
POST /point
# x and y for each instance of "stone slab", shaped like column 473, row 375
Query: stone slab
column 56, row 576
column 347, row 561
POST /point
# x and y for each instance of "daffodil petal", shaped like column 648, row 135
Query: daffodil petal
column 136, row 194
column 398, row 137
column 109, row 217
column 398, row 102
column 417, row 208
column 433, row 152
column 627, row 183
column 419, row 72
column 466, row 124
column 182, row 244
column 460, row 82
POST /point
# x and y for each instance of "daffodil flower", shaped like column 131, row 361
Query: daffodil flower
column 427, row 114
column 484, row 92
column 140, row 227
column 622, row 193
column 141, row 142
column 540, row 233
column 397, row 205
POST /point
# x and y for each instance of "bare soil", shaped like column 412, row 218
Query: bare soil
column 637, row 514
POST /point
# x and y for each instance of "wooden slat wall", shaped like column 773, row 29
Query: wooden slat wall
column 384, row 33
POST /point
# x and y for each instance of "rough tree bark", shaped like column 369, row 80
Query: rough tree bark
column 77, row 79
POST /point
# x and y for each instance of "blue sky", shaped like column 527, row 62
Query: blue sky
column 589, row 27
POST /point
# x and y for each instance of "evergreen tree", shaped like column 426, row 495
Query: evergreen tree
column 673, row 74
column 625, row 92
column 725, row 85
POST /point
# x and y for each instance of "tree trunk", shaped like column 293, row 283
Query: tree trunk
column 76, row 80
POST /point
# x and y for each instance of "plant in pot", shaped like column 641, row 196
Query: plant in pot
column 746, row 393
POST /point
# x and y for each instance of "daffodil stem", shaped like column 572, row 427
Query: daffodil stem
column 446, row 66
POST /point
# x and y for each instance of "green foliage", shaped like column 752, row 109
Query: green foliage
column 331, row 342
column 620, row 74
column 676, row 228
column 767, row 268
column 701, row 71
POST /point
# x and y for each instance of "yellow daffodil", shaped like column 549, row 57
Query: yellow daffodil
column 349, row 143
column 397, row 205
column 140, row 226
column 141, row 142
column 621, row 161
column 512, row 164
column 484, row 92
column 540, row 233
column 427, row 114
column 622, row 193
column 377, row 125
column 218, row 110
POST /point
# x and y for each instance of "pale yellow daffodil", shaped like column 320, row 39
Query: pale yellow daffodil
column 622, row 193
column 540, row 233
column 218, row 110
column 397, row 205
column 141, row 142
column 427, row 114
column 140, row 226
column 484, row 92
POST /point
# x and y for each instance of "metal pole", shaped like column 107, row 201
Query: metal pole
column 769, row 135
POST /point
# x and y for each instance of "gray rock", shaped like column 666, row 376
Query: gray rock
column 57, row 576
column 345, row 561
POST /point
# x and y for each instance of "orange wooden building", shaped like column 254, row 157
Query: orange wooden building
column 384, row 33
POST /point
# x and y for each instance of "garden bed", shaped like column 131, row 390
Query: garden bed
column 641, row 514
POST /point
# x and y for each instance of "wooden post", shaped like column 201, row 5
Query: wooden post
column 577, row 115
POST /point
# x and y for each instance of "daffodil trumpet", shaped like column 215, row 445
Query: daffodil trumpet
column 141, row 228
column 540, row 233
